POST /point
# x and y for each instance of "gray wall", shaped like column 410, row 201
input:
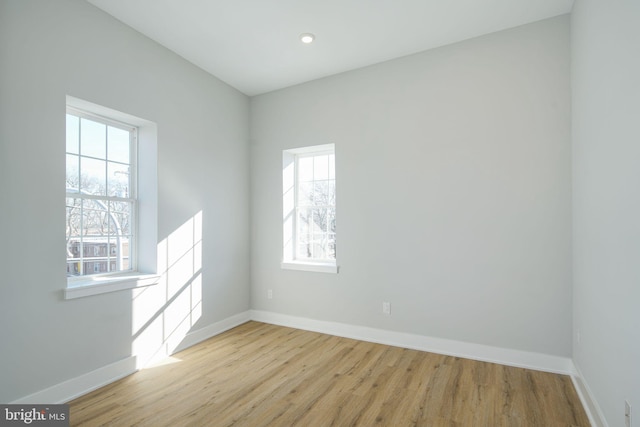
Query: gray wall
column 606, row 153
column 68, row 47
column 453, row 193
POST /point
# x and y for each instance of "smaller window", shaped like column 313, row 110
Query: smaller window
column 309, row 208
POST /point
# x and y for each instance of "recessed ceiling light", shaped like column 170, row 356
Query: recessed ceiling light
column 307, row 38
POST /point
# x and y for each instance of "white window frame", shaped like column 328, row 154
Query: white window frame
column 132, row 197
column 290, row 168
column 143, row 251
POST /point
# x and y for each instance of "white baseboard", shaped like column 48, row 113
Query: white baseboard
column 590, row 404
column 75, row 387
column 212, row 330
column 503, row 356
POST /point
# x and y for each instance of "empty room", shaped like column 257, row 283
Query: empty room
column 345, row 212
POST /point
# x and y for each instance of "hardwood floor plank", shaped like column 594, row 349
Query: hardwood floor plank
column 266, row 375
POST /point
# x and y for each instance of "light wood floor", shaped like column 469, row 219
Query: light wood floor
column 266, row 375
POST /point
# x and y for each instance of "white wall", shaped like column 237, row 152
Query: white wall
column 68, row 47
column 454, row 192
column 606, row 177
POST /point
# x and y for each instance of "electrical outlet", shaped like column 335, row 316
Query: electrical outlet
column 627, row 413
column 386, row 308
column 270, row 294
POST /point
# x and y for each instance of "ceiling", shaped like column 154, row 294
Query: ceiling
column 254, row 46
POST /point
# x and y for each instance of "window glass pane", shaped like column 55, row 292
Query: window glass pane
column 303, row 221
column 319, row 246
column 120, row 218
column 118, row 144
column 331, row 220
column 321, row 167
column 305, row 194
column 319, row 220
column 305, row 246
column 74, row 225
column 114, row 245
column 73, row 268
column 331, row 198
column 304, row 249
column 73, row 134
column 73, row 230
column 95, row 266
column 95, row 254
column 117, row 180
column 94, row 218
column 119, row 253
column 124, row 252
column 93, row 176
column 93, row 138
column 305, row 169
column 321, row 193
column 73, row 177
column 331, row 246
column 316, row 195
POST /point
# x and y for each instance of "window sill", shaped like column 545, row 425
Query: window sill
column 101, row 285
column 309, row 266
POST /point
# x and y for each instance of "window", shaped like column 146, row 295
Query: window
column 101, row 194
column 309, row 208
column 111, row 200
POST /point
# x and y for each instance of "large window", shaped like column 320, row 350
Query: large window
column 100, row 195
column 309, row 204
